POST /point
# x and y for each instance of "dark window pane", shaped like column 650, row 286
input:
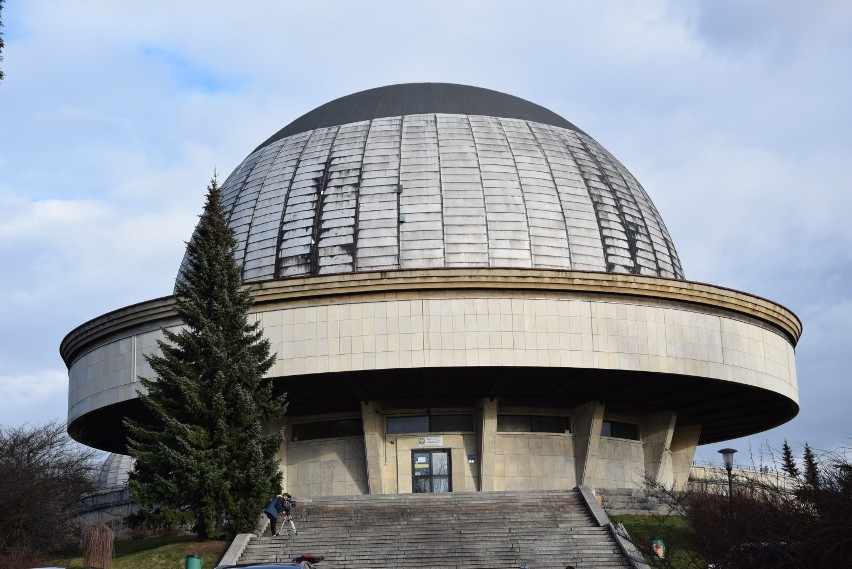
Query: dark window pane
column 346, row 428
column 421, row 462
column 421, row 467
column 543, row 424
column 421, row 485
column 414, row 424
column 446, row 423
column 310, row 431
column 625, row 431
column 620, row 430
column 532, row 423
column 327, row 429
column 513, row 423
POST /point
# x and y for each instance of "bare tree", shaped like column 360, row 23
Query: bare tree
column 769, row 520
column 42, row 471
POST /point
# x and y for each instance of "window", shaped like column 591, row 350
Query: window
column 447, row 423
column 620, row 430
column 430, row 424
column 414, row 424
column 328, row 429
column 533, row 424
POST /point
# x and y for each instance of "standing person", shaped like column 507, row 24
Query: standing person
column 281, row 503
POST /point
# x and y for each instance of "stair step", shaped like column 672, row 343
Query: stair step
column 492, row 530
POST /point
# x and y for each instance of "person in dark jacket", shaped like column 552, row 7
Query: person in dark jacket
column 281, row 503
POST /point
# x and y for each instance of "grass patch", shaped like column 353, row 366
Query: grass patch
column 156, row 553
column 675, row 531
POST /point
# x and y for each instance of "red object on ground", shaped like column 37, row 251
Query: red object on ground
column 310, row 558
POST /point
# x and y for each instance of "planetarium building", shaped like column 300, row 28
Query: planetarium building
column 466, row 293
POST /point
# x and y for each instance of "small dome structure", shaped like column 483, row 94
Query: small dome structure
column 111, row 502
column 115, row 472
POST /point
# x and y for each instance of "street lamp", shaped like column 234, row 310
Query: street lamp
column 728, row 458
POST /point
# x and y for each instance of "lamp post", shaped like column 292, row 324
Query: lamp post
column 728, row 458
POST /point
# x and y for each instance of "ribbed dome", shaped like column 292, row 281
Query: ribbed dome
column 439, row 175
column 114, row 471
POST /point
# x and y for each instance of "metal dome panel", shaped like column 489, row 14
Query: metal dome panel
column 441, row 190
column 115, row 471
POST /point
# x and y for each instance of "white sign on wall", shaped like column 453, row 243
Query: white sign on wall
column 430, row 441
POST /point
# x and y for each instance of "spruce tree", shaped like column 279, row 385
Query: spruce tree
column 204, row 457
column 811, row 467
column 788, row 463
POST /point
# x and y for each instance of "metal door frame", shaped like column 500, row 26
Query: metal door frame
column 431, row 476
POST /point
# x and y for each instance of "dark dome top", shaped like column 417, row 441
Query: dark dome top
column 420, row 98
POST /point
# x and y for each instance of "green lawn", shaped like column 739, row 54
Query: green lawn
column 675, row 531
column 157, row 553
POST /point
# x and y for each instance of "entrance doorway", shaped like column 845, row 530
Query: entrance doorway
column 430, row 471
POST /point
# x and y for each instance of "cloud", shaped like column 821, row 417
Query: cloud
column 733, row 115
column 188, row 74
column 772, row 25
column 36, row 397
column 23, row 220
column 67, row 261
column 63, row 244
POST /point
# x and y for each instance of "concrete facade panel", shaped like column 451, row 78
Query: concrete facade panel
column 513, row 328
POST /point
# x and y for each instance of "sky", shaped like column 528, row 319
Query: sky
column 734, row 115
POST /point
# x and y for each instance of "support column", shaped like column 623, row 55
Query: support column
column 278, row 425
column 487, row 443
column 285, row 461
column 684, row 443
column 588, row 420
column 657, row 430
column 372, row 418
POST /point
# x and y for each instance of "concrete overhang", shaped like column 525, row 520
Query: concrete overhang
column 730, row 389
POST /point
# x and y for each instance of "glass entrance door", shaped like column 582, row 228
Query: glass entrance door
column 430, row 471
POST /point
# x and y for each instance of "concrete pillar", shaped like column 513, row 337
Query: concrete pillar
column 374, row 441
column 487, row 443
column 284, row 465
column 280, row 425
column 684, row 443
column 656, row 432
column 588, row 419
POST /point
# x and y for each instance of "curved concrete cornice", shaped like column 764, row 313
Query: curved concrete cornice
column 580, row 282
column 155, row 313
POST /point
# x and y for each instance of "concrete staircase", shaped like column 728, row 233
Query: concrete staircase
column 635, row 502
column 490, row 530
